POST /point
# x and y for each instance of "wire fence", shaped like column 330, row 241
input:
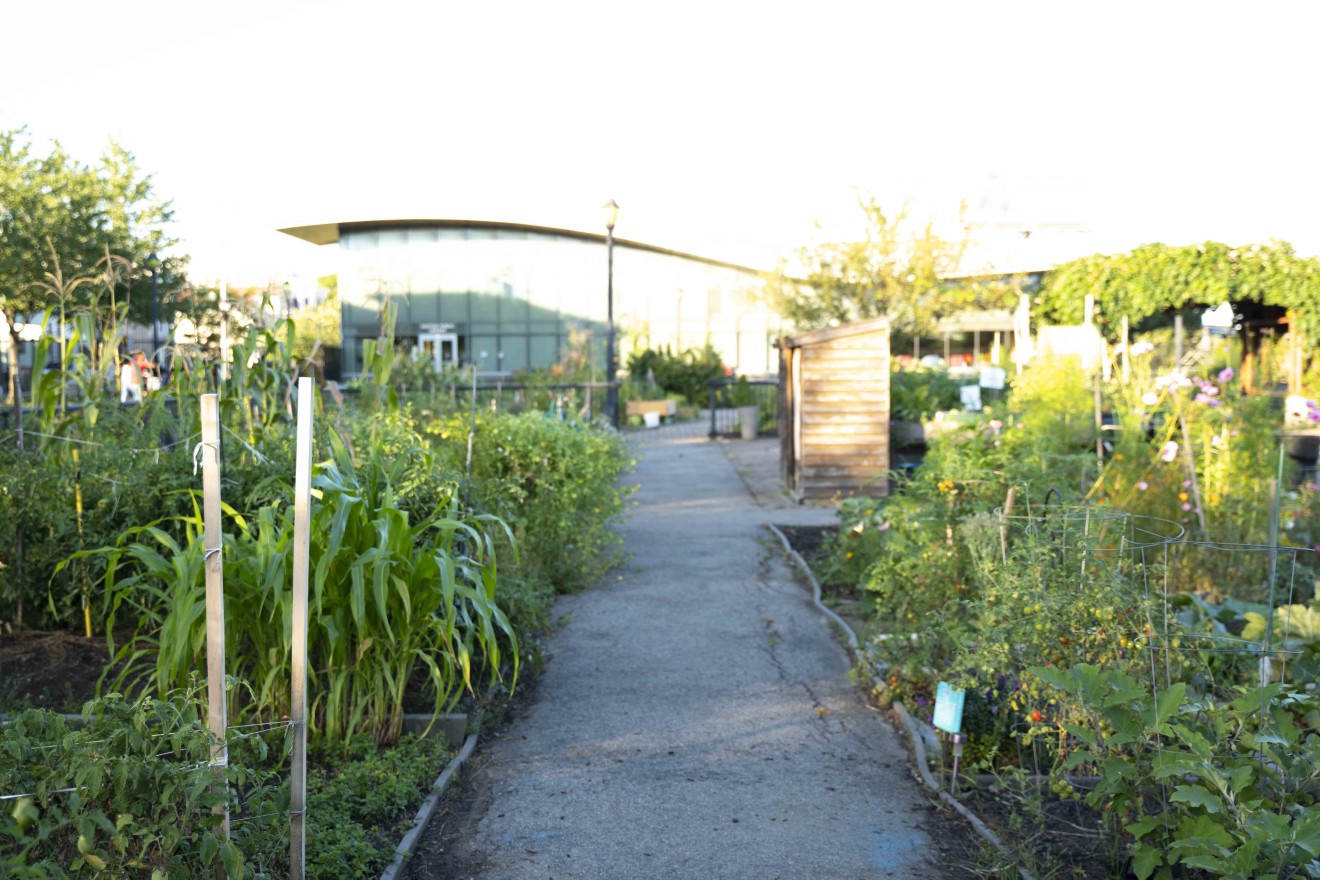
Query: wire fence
column 1180, row 607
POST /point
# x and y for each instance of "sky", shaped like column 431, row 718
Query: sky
column 737, row 131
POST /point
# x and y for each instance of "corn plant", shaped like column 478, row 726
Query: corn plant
column 391, row 596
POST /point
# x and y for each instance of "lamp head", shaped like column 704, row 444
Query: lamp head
column 611, row 209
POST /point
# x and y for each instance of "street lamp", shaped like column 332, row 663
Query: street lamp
column 611, row 391
column 154, row 265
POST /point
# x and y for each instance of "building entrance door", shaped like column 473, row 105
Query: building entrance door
column 441, row 348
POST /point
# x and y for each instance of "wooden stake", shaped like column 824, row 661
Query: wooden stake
column 217, row 715
column 302, row 505
column 1127, row 356
column 1003, row 523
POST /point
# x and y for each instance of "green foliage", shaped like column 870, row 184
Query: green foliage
column 145, row 794
column 687, row 373
column 1239, row 775
column 53, row 202
column 360, row 801
column 741, row 393
column 143, row 798
column 391, row 594
column 1156, row 278
column 917, row 394
column 555, row 483
column 896, row 272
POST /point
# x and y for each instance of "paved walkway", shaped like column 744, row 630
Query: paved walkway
column 695, row 719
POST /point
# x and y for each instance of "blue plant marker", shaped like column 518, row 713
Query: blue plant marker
column 949, row 707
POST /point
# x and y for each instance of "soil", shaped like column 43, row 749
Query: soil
column 49, row 670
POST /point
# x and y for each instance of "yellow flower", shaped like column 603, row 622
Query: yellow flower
column 1118, row 456
column 1182, row 496
column 848, row 555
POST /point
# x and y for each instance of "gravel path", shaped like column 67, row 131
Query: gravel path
column 695, row 718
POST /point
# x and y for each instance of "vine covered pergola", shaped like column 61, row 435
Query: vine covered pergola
column 1268, row 285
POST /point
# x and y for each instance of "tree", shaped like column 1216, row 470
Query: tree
column 104, row 214
column 898, row 272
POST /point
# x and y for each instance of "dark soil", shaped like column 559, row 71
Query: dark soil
column 49, row 670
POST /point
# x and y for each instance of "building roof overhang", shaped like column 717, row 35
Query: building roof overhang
column 329, row 233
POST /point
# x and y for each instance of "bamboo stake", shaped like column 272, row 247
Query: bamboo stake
column 1003, row 523
column 1191, row 477
column 213, row 540
column 302, row 503
column 78, row 508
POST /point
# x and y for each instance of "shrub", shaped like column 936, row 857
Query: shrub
column 555, row 483
column 688, row 372
column 917, row 394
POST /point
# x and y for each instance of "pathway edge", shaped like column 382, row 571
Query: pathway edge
column 918, row 748
column 401, row 853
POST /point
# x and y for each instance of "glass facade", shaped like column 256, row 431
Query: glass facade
column 516, row 297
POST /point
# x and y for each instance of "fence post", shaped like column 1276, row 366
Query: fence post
column 710, row 384
column 302, row 503
column 217, row 714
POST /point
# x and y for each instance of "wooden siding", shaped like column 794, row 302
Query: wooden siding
column 840, row 406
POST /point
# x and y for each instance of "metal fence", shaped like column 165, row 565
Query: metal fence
column 586, row 400
column 726, row 395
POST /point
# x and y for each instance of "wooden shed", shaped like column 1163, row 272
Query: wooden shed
column 834, row 411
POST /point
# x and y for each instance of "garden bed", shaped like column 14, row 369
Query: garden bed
column 1042, row 832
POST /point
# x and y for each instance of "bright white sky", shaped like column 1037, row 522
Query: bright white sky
column 726, row 129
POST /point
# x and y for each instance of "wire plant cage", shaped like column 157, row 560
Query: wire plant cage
column 1215, row 646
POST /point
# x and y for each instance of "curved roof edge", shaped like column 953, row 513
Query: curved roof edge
column 328, row 233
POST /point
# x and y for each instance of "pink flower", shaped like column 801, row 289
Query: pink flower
column 996, row 424
column 1186, row 506
column 1143, row 485
column 883, row 527
column 1170, row 451
column 1225, row 375
column 1187, row 484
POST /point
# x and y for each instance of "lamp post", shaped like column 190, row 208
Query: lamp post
column 611, row 391
column 154, row 265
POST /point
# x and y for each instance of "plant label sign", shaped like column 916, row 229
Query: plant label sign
column 949, row 707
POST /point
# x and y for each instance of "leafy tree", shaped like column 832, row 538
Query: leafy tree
column 100, row 218
column 896, row 272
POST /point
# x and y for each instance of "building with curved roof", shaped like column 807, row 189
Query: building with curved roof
column 509, row 296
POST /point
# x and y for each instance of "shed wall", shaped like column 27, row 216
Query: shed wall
column 843, row 417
